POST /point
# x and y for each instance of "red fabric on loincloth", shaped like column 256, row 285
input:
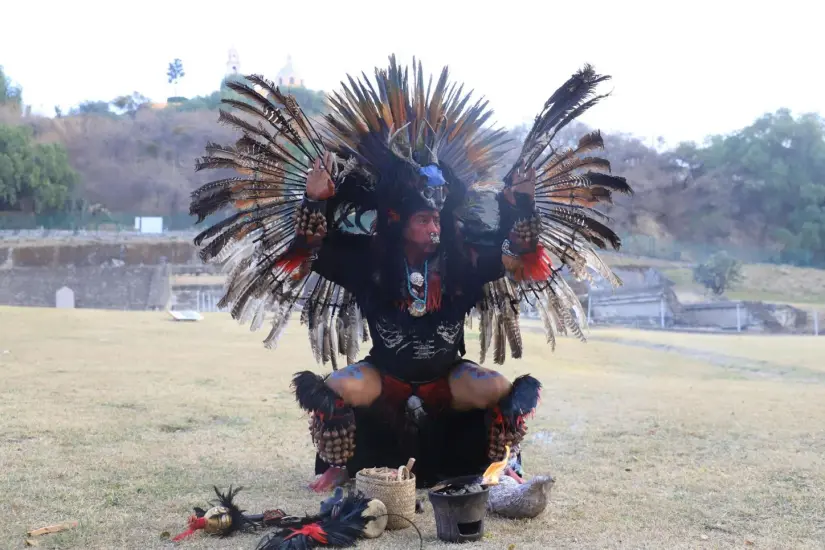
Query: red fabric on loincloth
column 435, row 395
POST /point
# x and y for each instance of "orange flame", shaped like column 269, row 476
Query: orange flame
column 494, row 470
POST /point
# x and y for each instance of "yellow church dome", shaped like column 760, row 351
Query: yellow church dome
column 288, row 76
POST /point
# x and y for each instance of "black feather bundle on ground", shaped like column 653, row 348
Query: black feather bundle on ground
column 340, row 526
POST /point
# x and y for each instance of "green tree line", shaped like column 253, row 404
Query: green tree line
column 33, row 176
column 766, row 181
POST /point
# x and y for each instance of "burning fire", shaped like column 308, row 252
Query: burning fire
column 494, row 470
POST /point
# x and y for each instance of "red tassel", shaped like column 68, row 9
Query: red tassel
column 195, row 523
column 313, row 531
column 293, row 263
column 434, row 293
column 498, row 418
column 537, row 265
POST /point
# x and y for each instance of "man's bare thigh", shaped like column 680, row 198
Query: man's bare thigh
column 359, row 384
column 474, row 387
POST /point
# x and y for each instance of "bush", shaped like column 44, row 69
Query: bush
column 719, row 273
column 34, row 177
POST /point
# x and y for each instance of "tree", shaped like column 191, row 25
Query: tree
column 92, row 108
column 775, row 173
column 34, row 177
column 209, row 102
column 175, row 73
column 312, row 102
column 10, row 94
column 130, row 104
column 719, row 273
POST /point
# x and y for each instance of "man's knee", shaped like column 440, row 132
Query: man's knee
column 496, row 389
column 477, row 387
column 501, row 387
column 358, row 385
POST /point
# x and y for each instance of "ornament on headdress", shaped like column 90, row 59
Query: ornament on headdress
column 435, row 178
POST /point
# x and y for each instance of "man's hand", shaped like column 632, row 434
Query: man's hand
column 320, row 186
column 524, row 182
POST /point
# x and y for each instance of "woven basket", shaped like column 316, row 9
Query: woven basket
column 395, row 488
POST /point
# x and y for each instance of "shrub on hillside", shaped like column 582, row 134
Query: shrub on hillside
column 719, row 273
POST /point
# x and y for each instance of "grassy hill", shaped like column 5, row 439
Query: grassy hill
column 799, row 286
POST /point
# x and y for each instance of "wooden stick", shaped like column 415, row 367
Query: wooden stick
column 52, row 529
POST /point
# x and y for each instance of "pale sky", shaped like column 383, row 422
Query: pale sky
column 681, row 70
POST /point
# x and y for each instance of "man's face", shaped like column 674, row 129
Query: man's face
column 424, row 230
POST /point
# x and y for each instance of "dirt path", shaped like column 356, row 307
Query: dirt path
column 742, row 365
column 750, row 368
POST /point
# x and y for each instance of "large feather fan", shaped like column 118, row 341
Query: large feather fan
column 569, row 184
column 255, row 244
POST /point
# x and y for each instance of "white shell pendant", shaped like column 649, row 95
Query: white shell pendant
column 418, row 308
column 416, row 278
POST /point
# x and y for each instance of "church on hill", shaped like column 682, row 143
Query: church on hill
column 233, row 64
column 287, row 77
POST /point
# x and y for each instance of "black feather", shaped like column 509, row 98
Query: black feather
column 239, row 520
column 523, row 397
column 568, row 102
column 313, row 394
column 340, row 526
column 615, row 183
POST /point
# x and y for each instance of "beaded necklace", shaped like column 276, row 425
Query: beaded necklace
column 419, row 305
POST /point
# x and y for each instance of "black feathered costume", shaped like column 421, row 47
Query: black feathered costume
column 399, row 147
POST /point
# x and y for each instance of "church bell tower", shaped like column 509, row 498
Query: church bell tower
column 233, row 64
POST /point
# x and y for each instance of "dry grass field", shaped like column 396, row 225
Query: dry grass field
column 124, row 421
